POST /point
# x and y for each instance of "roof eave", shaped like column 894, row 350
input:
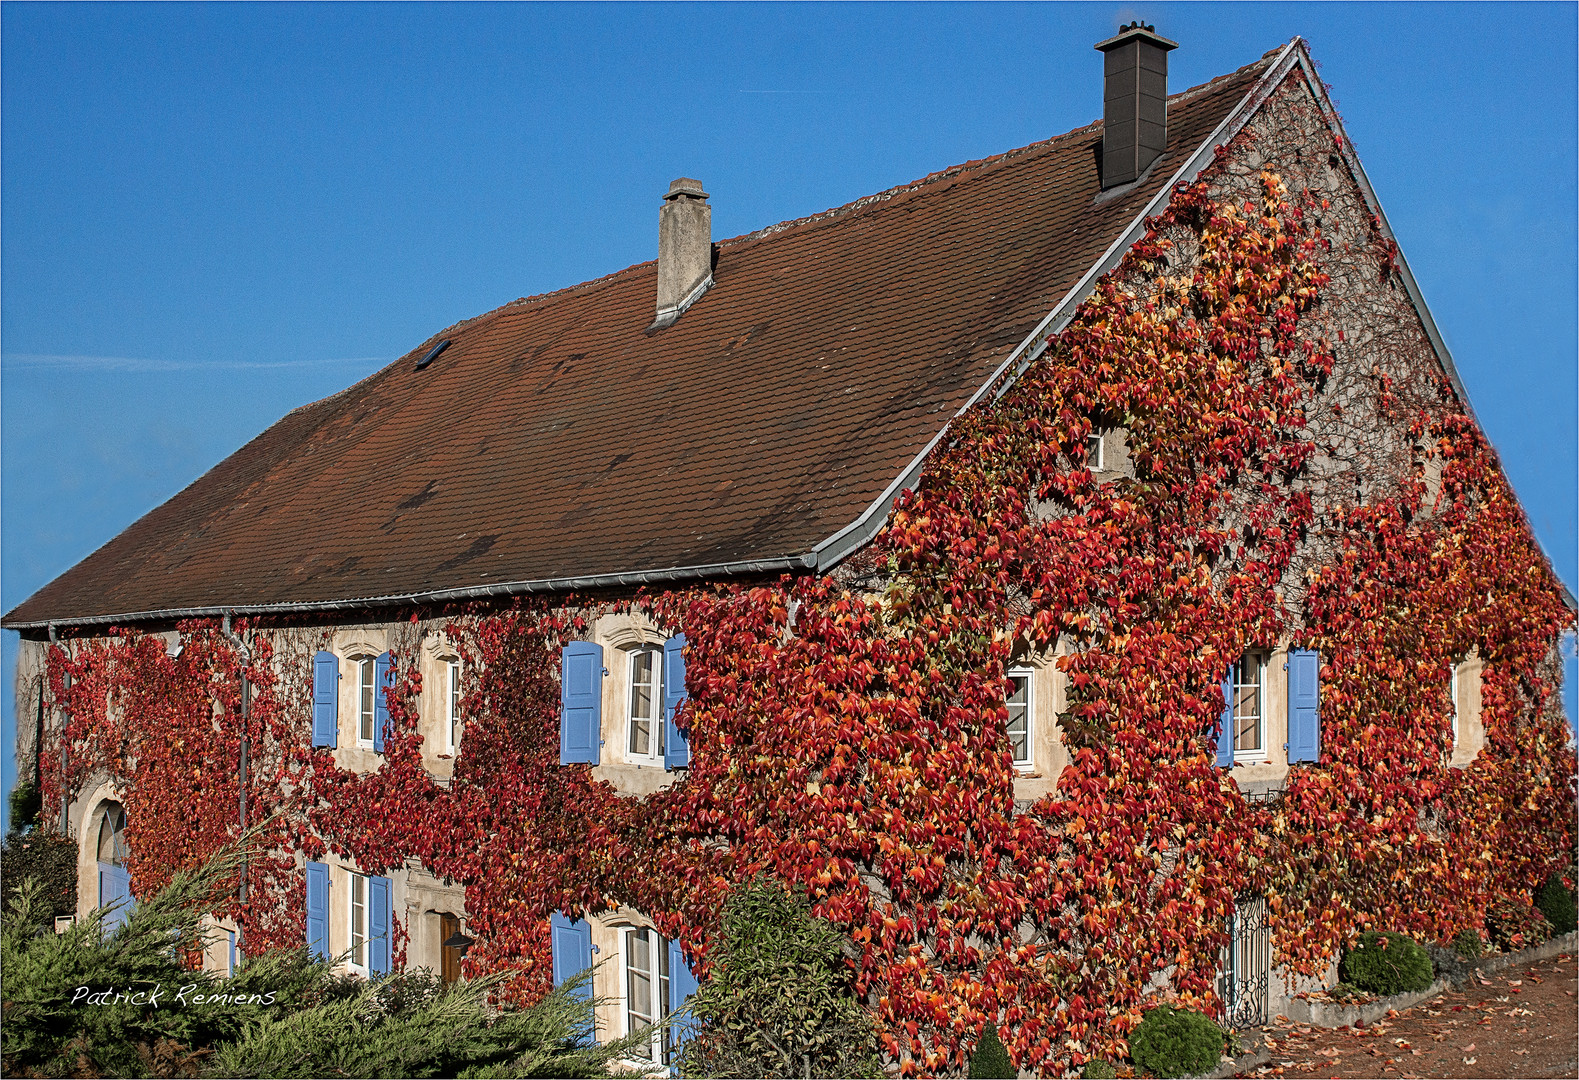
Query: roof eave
column 625, row 579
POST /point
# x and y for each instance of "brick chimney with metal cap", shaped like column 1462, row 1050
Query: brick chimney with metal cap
column 685, row 249
column 1134, row 102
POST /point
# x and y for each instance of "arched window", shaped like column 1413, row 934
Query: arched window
column 112, row 835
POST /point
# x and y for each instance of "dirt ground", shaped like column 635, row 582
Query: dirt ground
column 1520, row 1022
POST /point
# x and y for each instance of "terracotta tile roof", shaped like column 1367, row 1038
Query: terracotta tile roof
column 556, row 439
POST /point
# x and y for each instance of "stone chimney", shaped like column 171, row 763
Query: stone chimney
column 1134, row 102
column 685, row 249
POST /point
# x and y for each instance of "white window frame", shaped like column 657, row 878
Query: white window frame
column 1095, row 461
column 656, row 732
column 366, row 710
column 452, row 704
column 660, row 985
column 1247, row 757
column 1028, row 763
column 353, row 932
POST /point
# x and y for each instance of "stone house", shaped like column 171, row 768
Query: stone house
column 735, row 411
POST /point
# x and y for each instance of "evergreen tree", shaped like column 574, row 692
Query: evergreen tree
column 778, row 1003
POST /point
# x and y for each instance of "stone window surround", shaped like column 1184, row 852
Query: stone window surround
column 618, row 634
column 353, row 753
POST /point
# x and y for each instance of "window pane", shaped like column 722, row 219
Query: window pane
column 1094, row 450
column 1020, row 718
column 638, row 978
column 1247, row 705
column 358, row 920
column 643, row 701
column 641, row 684
column 454, row 702
column 365, row 678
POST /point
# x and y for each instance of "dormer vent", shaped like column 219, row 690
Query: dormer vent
column 685, row 249
column 1134, row 102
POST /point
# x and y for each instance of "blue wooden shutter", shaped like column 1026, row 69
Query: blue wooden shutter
column 318, row 909
column 379, row 913
column 326, row 699
column 231, row 957
column 1225, row 733
column 571, row 943
column 1304, row 705
column 580, row 702
column 383, row 679
column 676, row 746
column 682, row 984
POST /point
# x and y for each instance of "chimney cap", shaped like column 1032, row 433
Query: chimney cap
column 1132, row 32
column 685, row 186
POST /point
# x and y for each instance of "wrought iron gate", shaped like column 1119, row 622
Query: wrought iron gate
column 1245, row 970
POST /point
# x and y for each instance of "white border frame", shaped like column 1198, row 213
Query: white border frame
column 1252, row 757
column 363, row 968
column 451, row 704
column 655, row 758
column 1029, row 674
column 356, row 714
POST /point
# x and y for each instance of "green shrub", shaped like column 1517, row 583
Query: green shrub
column 49, row 860
column 1556, row 901
column 1513, row 924
column 1098, row 1069
column 990, row 1059
column 1385, row 963
column 1176, row 1042
column 1468, row 943
column 26, row 803
column 778, row 1002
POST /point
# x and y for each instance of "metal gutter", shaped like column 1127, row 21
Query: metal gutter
column 778, row 564
column 860, row 532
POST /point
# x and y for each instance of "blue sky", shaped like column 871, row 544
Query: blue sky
column 212, row 214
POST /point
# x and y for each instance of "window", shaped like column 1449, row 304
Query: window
column 1094, row 451
column 646, row 988
column 1250, row 709
column 1020, row 726
column 359, row 922
column 452, row 705
column 112, row 836
column 644, row 707
column 366, row 682
column 1452, row 690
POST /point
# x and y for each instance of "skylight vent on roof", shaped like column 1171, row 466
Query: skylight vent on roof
column 432, row 353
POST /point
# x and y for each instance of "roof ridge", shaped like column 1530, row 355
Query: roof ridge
column 952, row 171
column 947, row 173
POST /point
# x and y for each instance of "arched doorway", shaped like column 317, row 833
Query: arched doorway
column 115, row 881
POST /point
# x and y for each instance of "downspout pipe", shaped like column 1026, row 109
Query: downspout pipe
column 241, row 768
column 65, row 795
